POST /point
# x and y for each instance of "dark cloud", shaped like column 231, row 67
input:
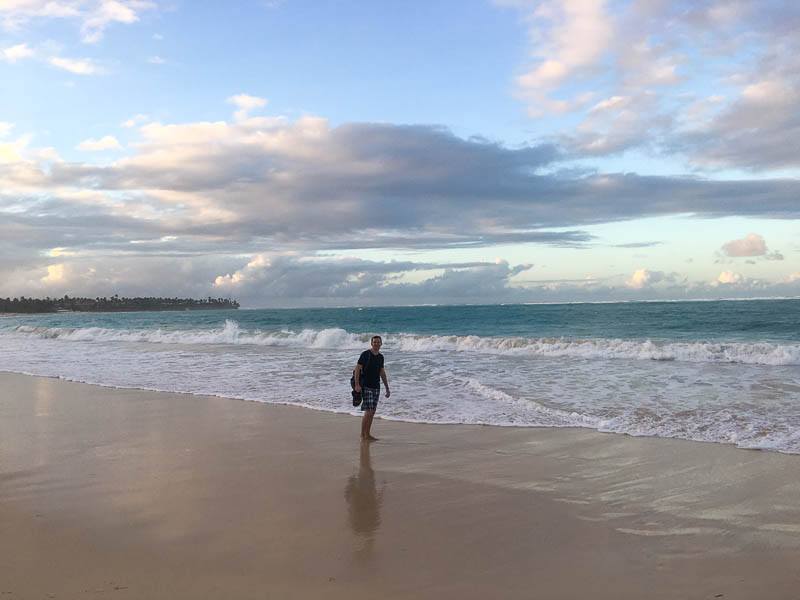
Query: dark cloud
column 232, row 188
column 637, row 245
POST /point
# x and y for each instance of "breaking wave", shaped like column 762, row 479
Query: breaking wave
column 760, row 353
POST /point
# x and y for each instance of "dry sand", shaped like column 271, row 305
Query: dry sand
column 108, row 493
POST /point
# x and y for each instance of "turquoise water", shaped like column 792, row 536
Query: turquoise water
column 756, row 320
column 725, row 372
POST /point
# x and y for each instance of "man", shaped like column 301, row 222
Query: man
column 370, row 363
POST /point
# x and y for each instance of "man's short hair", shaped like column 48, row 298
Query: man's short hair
column 373, row 338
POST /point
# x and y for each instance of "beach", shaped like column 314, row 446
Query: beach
column 134, row 494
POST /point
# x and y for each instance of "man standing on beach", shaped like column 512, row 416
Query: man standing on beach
column 370, row 363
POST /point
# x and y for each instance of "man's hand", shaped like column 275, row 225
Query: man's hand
column 388, row 393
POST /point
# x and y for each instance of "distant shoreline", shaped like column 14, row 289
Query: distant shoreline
column 114, row 304
column 114, row 310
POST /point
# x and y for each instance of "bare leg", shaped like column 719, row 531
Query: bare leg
column 366, row 425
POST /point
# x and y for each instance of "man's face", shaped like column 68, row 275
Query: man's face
column 376, row 344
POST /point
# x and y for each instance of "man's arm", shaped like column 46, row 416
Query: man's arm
column 385, row 381
column 357, row 377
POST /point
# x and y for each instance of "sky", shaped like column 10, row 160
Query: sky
column 336, row 153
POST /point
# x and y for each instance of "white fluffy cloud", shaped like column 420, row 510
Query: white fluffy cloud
column 571, row 39
column 18, row 52
column 94, row 16
column 636, row 75
column 752, row 244
column 245, row 104
column 134, row 121
column 729, row 278
column 108, row 142
column 77, row 66
column 643, row 279
column 55, row 274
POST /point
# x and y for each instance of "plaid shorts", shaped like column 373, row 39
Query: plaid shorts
column 369, row 398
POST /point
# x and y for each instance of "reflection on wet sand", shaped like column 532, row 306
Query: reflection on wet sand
column 364, row 502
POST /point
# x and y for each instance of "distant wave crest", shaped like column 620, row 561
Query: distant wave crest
column 231, row 333
column 761, row 353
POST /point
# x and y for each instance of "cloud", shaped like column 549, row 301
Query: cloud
column 134, row 121
column 617, row 124
column 14, row 13
column 752, row 244
column 14, row 53
column 757, row 128
column 35, row 275
column 300, row 279
column 273, row 279
column 246, row 104
column 572, row 37
column 55, row 274
column 280, row 278
column 78, row 66
column 729, row 278
column 641, row 278
column 156, row 60
column 269, row 182
column 94, row 15
column 106, row 12
column 637, row 245
column 108, row 142
column 644, row 278
column 635, row 75
column 190, row 199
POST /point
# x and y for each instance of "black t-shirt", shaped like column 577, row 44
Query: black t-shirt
column 371, row 365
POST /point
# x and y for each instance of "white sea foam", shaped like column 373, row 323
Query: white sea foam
column 229, row 334
column 761, row 353
column 666, row 399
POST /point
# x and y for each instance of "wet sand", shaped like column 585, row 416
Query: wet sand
column 108, row 493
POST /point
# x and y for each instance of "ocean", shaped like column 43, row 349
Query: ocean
column 718, row 371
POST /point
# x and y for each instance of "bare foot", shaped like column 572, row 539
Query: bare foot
column 371, row 438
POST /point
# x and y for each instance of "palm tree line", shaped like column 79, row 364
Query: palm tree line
column 114, row 303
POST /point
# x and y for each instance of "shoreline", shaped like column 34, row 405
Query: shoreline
column 381, row 418
column 115, row 311
column 137, row 494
